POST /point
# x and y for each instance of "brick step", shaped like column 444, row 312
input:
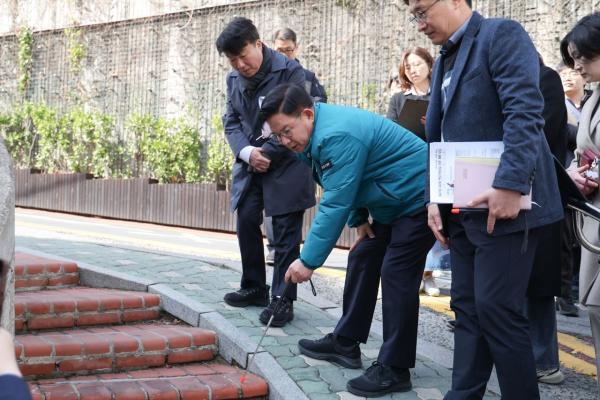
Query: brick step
column 112, row 349
column 186, row 382
column 36, row 273
column 81, row 306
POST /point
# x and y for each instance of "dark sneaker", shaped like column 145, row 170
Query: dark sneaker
column 246, row 297
column 329, row 349
column 566, row 307
column 379, row 380
column 283, row 315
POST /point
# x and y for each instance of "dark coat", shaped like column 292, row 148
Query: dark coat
column 314, row 87
column 494, row 95
column 545, row 276
column 287, row 185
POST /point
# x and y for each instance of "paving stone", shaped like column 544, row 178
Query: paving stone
column 322, row 396
column 310, row 387
column 404, row 396
column 429, row 394
column 312, row 362
column 288, row 363
column 304, row 374
column 349, row 396
column 370, row 353
column 334, row 377
column 121, row 262
column 276, row 332
column 325, row 329
column 192, row 286
column 205, row 268
column 279, row 351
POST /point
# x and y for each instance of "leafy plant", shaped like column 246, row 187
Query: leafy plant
column 24, row 58
column 220, row 158
column 168, row 150
column 76, row 49
column 368, row 98
column 16, row 129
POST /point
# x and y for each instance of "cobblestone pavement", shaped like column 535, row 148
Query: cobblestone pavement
column 208, row 283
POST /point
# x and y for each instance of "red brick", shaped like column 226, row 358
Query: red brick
column 159, row 390
column 64, row 280
column 31, row 282
column 175, row 337
column 35, row 323
column 64, row 344
column 198, row 369
column 122, row 375
column 98, row 319
column 253, row 386
column 123, row 343
column 152, row 342
column 92, row 344
column 53, row 268
column 70, row 267
column 35, row 392
column 202, row 337
column 158, row 373
column 85, row 365
column 63, row 306
column 37, row 369
column 34, row 269
column 63, row 391
column 34, row 346
column 187, row 356
column 87, row 305
column 220, row 387
column 126, row 362
column 151, row 300
column 110, row 303
column 190, row 388
column 130, row 316
column 126, row 390
column 19, row 270
column 93, row 391
column 132, row 301
column 19, row 309
column 19, row 325
column 37, row 307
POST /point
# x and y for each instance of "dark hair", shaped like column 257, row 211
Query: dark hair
column 287, row 98
column 285, row 34
column 585, row 37
column 236, row 35
column 405, row 83
column 469, row 3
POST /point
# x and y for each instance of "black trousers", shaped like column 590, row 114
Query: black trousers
column 287, row 231
column 397, row 255
column 490, row 275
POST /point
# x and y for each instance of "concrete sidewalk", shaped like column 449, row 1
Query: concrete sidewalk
column 197, row 281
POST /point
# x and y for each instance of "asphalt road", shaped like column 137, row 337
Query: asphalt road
column 576, row 350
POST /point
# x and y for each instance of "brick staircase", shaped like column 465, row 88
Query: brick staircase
column 76, row 342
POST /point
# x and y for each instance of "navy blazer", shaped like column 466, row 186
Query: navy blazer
column 494, row 95
column 287, row 185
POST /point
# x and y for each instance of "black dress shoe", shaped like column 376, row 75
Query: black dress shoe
column 566, row 307
column 379, row 380
column 250, row 296
column 330, row 349
column 283, row 314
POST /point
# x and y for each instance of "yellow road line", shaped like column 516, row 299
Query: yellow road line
column 441, row 304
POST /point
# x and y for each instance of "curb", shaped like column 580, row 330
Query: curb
column 234, row 345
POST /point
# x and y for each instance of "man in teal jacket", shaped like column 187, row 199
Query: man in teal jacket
column 367, row 166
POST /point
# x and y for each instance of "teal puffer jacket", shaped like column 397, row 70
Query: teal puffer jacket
column 366, row 164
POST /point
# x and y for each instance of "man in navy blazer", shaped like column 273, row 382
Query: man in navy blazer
column 266, row 175
column 485, row 87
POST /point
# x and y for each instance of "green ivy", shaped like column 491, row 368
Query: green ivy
column 16, row 129
column 24, row 58
column 368, row 98
column 220, row 158
column 76, row 49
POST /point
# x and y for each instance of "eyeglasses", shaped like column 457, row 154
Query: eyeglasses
column 421, row 16
column 286, row 50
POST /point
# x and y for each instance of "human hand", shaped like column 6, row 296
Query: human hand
column 434, row 220
column 258, row 161
column 585, row 185
column 502, row 204
column 298, row 273
column 361, row 232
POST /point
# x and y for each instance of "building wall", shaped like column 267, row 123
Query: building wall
column 158, row 57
